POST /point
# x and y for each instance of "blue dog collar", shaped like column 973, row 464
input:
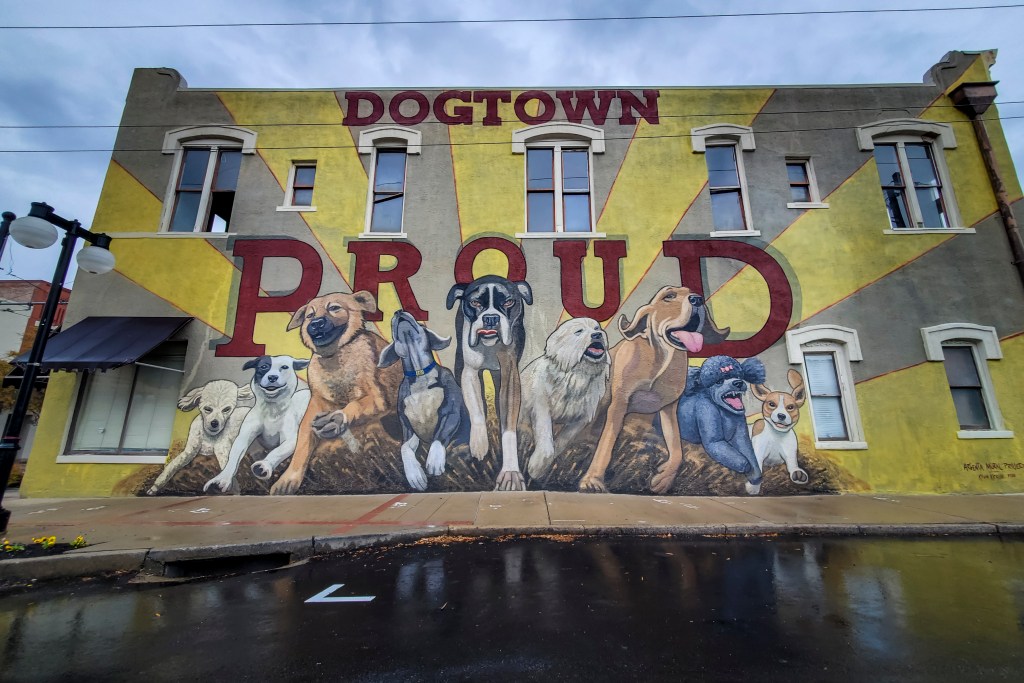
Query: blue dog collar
column 420, row 373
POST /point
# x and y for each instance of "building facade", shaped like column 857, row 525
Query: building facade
column 718, row 291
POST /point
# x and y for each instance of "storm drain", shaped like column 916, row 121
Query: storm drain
column 223, row 566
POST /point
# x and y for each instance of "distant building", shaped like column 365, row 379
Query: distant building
column 849, row 239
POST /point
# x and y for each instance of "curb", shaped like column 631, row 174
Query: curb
column 70, row 565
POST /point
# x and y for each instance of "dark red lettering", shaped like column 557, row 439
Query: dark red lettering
column 648, row 109
column 570, row 253
column 467, row 256
column 369, row 276
column 492, row 98
column 585, row 105
column 250, row 302
column 352, row 100
column 690, row 253
column 395, row 108
column 460, row 115
column 547, row 107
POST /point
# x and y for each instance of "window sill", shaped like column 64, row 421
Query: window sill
column 984, row 434
column 173, row 235
column 560, row 235
column 806, row 205
column 841, row 445
column 91, row 459
column 295, row 208
column 735, row 233
column 929, row 231
column 383, row 236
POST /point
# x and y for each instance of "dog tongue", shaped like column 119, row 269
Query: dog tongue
column 693, row 341
column 735, row 403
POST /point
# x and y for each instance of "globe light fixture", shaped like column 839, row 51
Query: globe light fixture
column 38, row 230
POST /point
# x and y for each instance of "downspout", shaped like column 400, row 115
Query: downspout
column 974, row 99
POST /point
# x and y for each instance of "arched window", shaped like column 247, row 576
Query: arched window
column 390, row 147
column 722, row 145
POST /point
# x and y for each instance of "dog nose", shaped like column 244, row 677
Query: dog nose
column 738, row 383
column 271, row 378
column 490, row 321
column 696, row 300
column 316, row 324
column 781, row 417
column 214, row 424
column 596, row 336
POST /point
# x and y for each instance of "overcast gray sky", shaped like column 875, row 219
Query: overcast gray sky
column 80, row 77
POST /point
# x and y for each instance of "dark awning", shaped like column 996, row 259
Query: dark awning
column 103, row 343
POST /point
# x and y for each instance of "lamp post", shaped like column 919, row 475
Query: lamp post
column 38, row 230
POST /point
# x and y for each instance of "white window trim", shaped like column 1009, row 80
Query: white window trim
column 742, row 138
column 559, row 136
column 215, row 138
column 939, row 136
column 983, row 340
column 385, row 137
column 812, row 185
column 289, row 192
column 844, row 344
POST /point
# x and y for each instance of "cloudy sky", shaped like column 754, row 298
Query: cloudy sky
column 80, row 77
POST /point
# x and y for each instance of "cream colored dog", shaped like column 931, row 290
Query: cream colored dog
column 563, row 388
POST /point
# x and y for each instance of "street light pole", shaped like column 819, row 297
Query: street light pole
column 11, row 443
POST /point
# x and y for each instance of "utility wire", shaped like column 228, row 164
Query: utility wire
column 63, row 126
column 466, row 144
column 538, row 20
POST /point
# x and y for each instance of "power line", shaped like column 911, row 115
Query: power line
column 465, row 144
column 537, row 20
column 66, row 126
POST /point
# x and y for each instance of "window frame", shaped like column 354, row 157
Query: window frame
column 984, row 344
column 844, row 345
column 559, row 137
column 387, row 138
column 98, row 456
column 289, row 194
column 937, row 137
column 216, row 139
column 742, row 138
column 812, row 184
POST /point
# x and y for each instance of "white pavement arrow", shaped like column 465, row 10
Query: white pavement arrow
column 325, row 596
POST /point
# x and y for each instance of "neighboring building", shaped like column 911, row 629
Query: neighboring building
column 847, row 237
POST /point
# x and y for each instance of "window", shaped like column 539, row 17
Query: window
column 803, row 186
column 205, row 176
column 964, row 349
column 826, row 351
column 389, row 147
column 129, row 410
column 912, row 173
column 722, row 144
column 559, row 181
column 299, row 195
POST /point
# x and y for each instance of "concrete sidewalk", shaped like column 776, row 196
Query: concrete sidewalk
column 125, row 533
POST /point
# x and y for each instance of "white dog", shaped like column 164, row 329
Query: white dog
column 222, row 407
column 274, row 420
column 564, row 387
column 772, row 436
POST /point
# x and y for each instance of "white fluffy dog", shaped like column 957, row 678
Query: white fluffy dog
column 223, row 406
column 564, row 387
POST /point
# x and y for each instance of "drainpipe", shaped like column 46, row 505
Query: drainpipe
column 974, row 100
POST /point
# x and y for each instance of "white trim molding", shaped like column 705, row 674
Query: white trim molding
column 382, row 136
column 175, row 139
column 813, row 333
column 743, row 136
column 917, row 128
column 594, row 137
column 984, row 336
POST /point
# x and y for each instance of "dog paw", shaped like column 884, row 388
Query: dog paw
column 221, row 482
column 152, row 491
column 593, row 484
column 414, row 474
column 510, row 480
column 287, row 485
column 478, row 445
column 436, row 459
column 752, row 489
column 539, row 464
column 262, row 470
column 664, row 479
column 799, row 476
column 330, row 425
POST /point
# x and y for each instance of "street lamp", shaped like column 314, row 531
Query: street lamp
column 38, row 230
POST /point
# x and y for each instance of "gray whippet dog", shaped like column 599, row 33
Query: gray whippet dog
column 430, row 404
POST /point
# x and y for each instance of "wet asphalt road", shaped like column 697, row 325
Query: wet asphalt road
column 596, row 609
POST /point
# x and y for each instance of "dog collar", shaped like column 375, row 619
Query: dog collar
column 420, row 373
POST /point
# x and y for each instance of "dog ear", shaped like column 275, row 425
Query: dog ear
column 713, row 334
column 753, row 371
column 245, row 396
column 760, row 392
column 436, row 341
column 251, row 363
column 454, row 293
column 297, row 318
column 299, row 364
column 796, row 383
column 365, row 300
column 388, row 356
column 637, row 327
column 525, row 291
column 190, row 400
